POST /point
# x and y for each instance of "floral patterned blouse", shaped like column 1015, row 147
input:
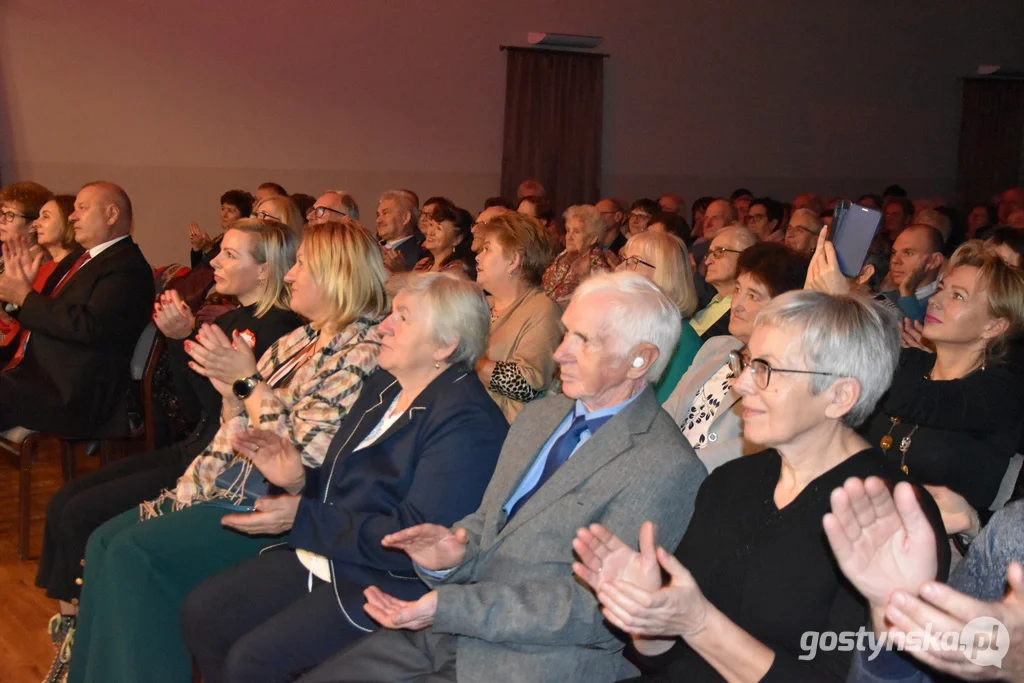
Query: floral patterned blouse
column 568, row 269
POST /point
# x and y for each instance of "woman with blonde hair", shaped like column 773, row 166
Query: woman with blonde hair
column 662, row 258
column 137, row 574
column 583, row 255
column 952, row 418
column 525, row 325
column 251, row 265
column 282, row 210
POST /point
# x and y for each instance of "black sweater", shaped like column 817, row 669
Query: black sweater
column 772, row 571
column 967, row 429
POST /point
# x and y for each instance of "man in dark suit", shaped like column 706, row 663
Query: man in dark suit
column 505, row 605
column 71, row 374
column 396, row 229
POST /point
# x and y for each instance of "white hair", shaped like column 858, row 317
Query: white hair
column 457, row 312
column 849, row 336
column 640, row 314
column 590, row 217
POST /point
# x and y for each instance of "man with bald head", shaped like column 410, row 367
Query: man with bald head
column 332, row 205
column 671, row 203
column 914, row 269
column 71, row 373
column 615, row 224
column 724, row 251
column 719, row 215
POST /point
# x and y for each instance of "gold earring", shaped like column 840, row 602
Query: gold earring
column 436, row 364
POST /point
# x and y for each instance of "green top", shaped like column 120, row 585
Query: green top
column 688, row 346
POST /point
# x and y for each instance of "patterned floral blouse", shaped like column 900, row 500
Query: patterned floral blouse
column 563, row 276
column 705, row 406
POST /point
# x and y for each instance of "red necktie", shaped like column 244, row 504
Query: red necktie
column 25, row 334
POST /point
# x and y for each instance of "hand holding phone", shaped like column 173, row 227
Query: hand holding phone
column 853, row 229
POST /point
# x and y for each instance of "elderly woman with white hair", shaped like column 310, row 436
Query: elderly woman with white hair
column 754, row 572
column 583, row 255
column 663, row 259
column 418, row 447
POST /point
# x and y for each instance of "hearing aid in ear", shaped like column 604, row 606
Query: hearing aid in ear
column 638, row 362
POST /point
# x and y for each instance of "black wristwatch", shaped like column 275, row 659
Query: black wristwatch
column 243, row 388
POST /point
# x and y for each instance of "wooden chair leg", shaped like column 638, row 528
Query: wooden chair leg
column 67, row 460
column 28, row 453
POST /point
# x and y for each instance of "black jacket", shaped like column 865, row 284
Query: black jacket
column 75, row 376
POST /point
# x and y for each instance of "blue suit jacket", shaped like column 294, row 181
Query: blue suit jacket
column 431, row 466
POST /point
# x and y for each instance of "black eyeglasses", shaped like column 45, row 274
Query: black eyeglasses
column 9, row 216
column 637, row 215
column 800, row 227
column 633, row 261
column 718, row 251
column 761, row 371
column 266, row 216
column 321, row 211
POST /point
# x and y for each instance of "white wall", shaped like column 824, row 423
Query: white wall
column 180, row 101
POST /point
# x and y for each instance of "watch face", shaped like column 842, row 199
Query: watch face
column 241, row 388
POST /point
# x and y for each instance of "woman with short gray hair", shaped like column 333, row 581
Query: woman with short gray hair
column 418, row 447
column 753, row 573
column 583, row 255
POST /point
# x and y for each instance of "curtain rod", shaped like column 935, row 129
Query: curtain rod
column 553, row 50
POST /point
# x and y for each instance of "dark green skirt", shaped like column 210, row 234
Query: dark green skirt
column 137, row 575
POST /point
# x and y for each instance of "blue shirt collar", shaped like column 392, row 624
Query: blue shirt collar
column 609, row 412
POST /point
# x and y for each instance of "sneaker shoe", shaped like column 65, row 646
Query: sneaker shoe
column 62, row 631
column 58, row 628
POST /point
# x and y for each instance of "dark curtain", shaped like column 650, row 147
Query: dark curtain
column 991, row 137
column 553, row 105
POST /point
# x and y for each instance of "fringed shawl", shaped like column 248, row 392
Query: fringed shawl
column 308, row 411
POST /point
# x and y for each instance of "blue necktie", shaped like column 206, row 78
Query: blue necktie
column 559, row 454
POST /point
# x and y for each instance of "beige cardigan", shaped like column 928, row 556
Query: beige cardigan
column 527, row 334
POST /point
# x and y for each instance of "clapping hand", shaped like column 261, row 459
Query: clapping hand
column 276, row 457
column 198, row 239
column 629, row 587
column 390, row 612
column 394, row 262
column 431, row 546
column 823, row 273
column 172, row 316
column 20, row 270
column 605, row 558
column 942, row 610
column 882, row 542
column 222, row 360
column 274, row 515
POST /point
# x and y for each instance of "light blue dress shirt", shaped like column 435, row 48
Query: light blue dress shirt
column 532, row 475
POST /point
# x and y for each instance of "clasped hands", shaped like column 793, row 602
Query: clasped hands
column 430, row 546
column 885, row 546
column 20, row 270
column 221, row 360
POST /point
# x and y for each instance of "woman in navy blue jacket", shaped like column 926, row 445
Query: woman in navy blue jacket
column 419, row 446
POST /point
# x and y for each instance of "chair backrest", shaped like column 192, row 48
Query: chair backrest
column 143, row 347
column 1008, row 483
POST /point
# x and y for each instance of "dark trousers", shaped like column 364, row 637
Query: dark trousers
column 84, row 504
column 392, row 656
column 259, row 621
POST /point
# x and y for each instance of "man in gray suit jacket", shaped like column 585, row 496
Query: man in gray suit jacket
column 505, row 605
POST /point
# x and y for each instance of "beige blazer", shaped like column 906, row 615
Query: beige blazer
column 527, row 334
